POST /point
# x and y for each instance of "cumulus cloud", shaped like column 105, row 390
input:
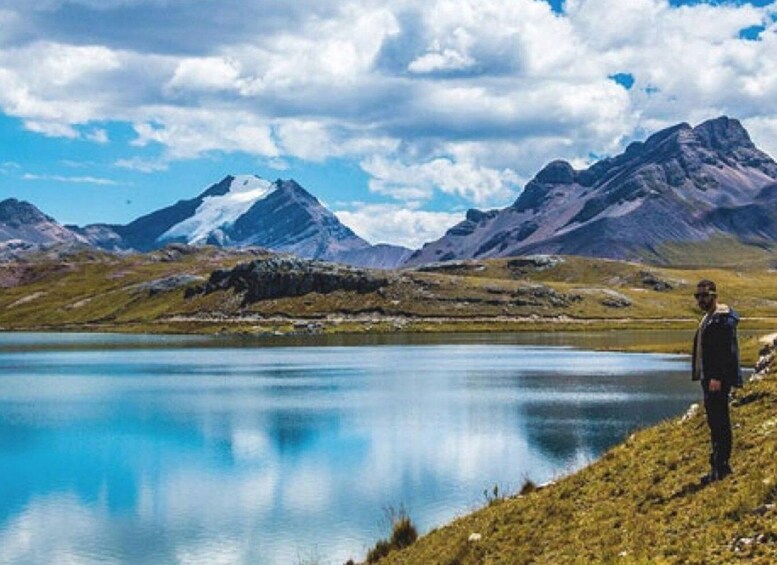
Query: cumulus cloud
column 389, row 223
column 418, row 181
column 207, row 73
column 187, row 133
column 461, row 97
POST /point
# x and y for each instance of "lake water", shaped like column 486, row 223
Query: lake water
column 160, row 449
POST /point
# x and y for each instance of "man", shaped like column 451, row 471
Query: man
column 716, row 365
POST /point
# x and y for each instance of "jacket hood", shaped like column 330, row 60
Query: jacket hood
column 724, row 310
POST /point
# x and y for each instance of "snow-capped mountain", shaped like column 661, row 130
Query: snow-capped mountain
column 682, row 185
column 220, row 211
column 247, row 210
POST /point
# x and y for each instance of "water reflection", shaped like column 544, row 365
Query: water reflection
column 127, row 449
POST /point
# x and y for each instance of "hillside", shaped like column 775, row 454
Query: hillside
column 174, row 290
column 640, row 503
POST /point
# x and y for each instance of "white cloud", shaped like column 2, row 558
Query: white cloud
column 387, row 223
column 72, row 180
column 418, row 181
column 51, row 129
column 143, row 165
column 763, row 132
column 315, row 141
column 188, row 133
column 461, row 97
column 445, row 60
column 207, row 73
column 98, row 136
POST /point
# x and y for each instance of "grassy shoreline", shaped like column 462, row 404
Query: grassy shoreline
column 279, row 327
column 641, row 502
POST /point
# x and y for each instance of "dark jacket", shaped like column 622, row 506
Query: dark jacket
column 719, row 348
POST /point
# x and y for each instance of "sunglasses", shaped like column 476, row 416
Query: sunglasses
column 698, row 295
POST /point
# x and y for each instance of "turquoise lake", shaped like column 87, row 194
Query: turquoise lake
column 186, row 449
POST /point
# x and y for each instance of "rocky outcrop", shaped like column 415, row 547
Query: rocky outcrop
column 767, row 358
column 167, row 284
column 533, row 263
column 280, row 277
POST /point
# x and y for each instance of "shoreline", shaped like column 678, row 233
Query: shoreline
column 366, row 325
column 635, row 504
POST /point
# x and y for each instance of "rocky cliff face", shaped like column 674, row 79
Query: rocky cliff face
column 682, row 184
column 280, row 277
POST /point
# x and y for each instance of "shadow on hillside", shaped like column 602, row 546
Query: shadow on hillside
column 690, row 488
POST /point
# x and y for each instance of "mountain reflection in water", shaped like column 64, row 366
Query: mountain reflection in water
column 152, row 449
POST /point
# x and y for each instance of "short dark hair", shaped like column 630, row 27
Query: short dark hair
column 708, row 284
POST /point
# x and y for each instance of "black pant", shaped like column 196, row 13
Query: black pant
column 716, row 406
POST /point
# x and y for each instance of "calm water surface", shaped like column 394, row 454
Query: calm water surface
column 152, row 449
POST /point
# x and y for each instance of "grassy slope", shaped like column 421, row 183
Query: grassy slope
column 102, row 293
column 640, row 503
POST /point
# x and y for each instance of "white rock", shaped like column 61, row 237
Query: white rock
column 692, row 410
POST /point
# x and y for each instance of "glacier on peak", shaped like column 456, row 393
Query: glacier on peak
column 221, row 210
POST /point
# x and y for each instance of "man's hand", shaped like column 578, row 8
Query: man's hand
column 715, row 385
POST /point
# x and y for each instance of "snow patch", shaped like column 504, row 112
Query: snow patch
column 216, row 212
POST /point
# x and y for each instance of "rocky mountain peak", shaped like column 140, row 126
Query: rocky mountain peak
column 723, row 134
column 682, row 184
column 556, row 172
column 17, row 213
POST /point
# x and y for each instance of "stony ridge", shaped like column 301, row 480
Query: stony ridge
column 681, row 185
column 280, row 277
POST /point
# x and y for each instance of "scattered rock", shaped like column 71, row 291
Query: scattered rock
column 541, row 295
column 168, row 283
column 615, row 299
column 763, row 509
column 531, row 263
column 309, row 327
column 446, row 266
column 693, row 409
column 173, row 252
column 651, row 280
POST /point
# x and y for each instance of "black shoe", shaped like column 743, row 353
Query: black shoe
column 723, row 472
column 708, row 478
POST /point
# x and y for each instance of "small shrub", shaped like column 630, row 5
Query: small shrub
column 528, row 486
column 494, row 496
column 381, row 550
column 403, row 534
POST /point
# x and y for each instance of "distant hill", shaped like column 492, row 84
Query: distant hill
column 22, row 224
column 683, row 185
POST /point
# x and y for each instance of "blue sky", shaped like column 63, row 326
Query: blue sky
column 398, row 115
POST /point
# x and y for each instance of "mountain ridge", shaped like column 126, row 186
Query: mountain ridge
column 238, row 211
column 665, row 189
